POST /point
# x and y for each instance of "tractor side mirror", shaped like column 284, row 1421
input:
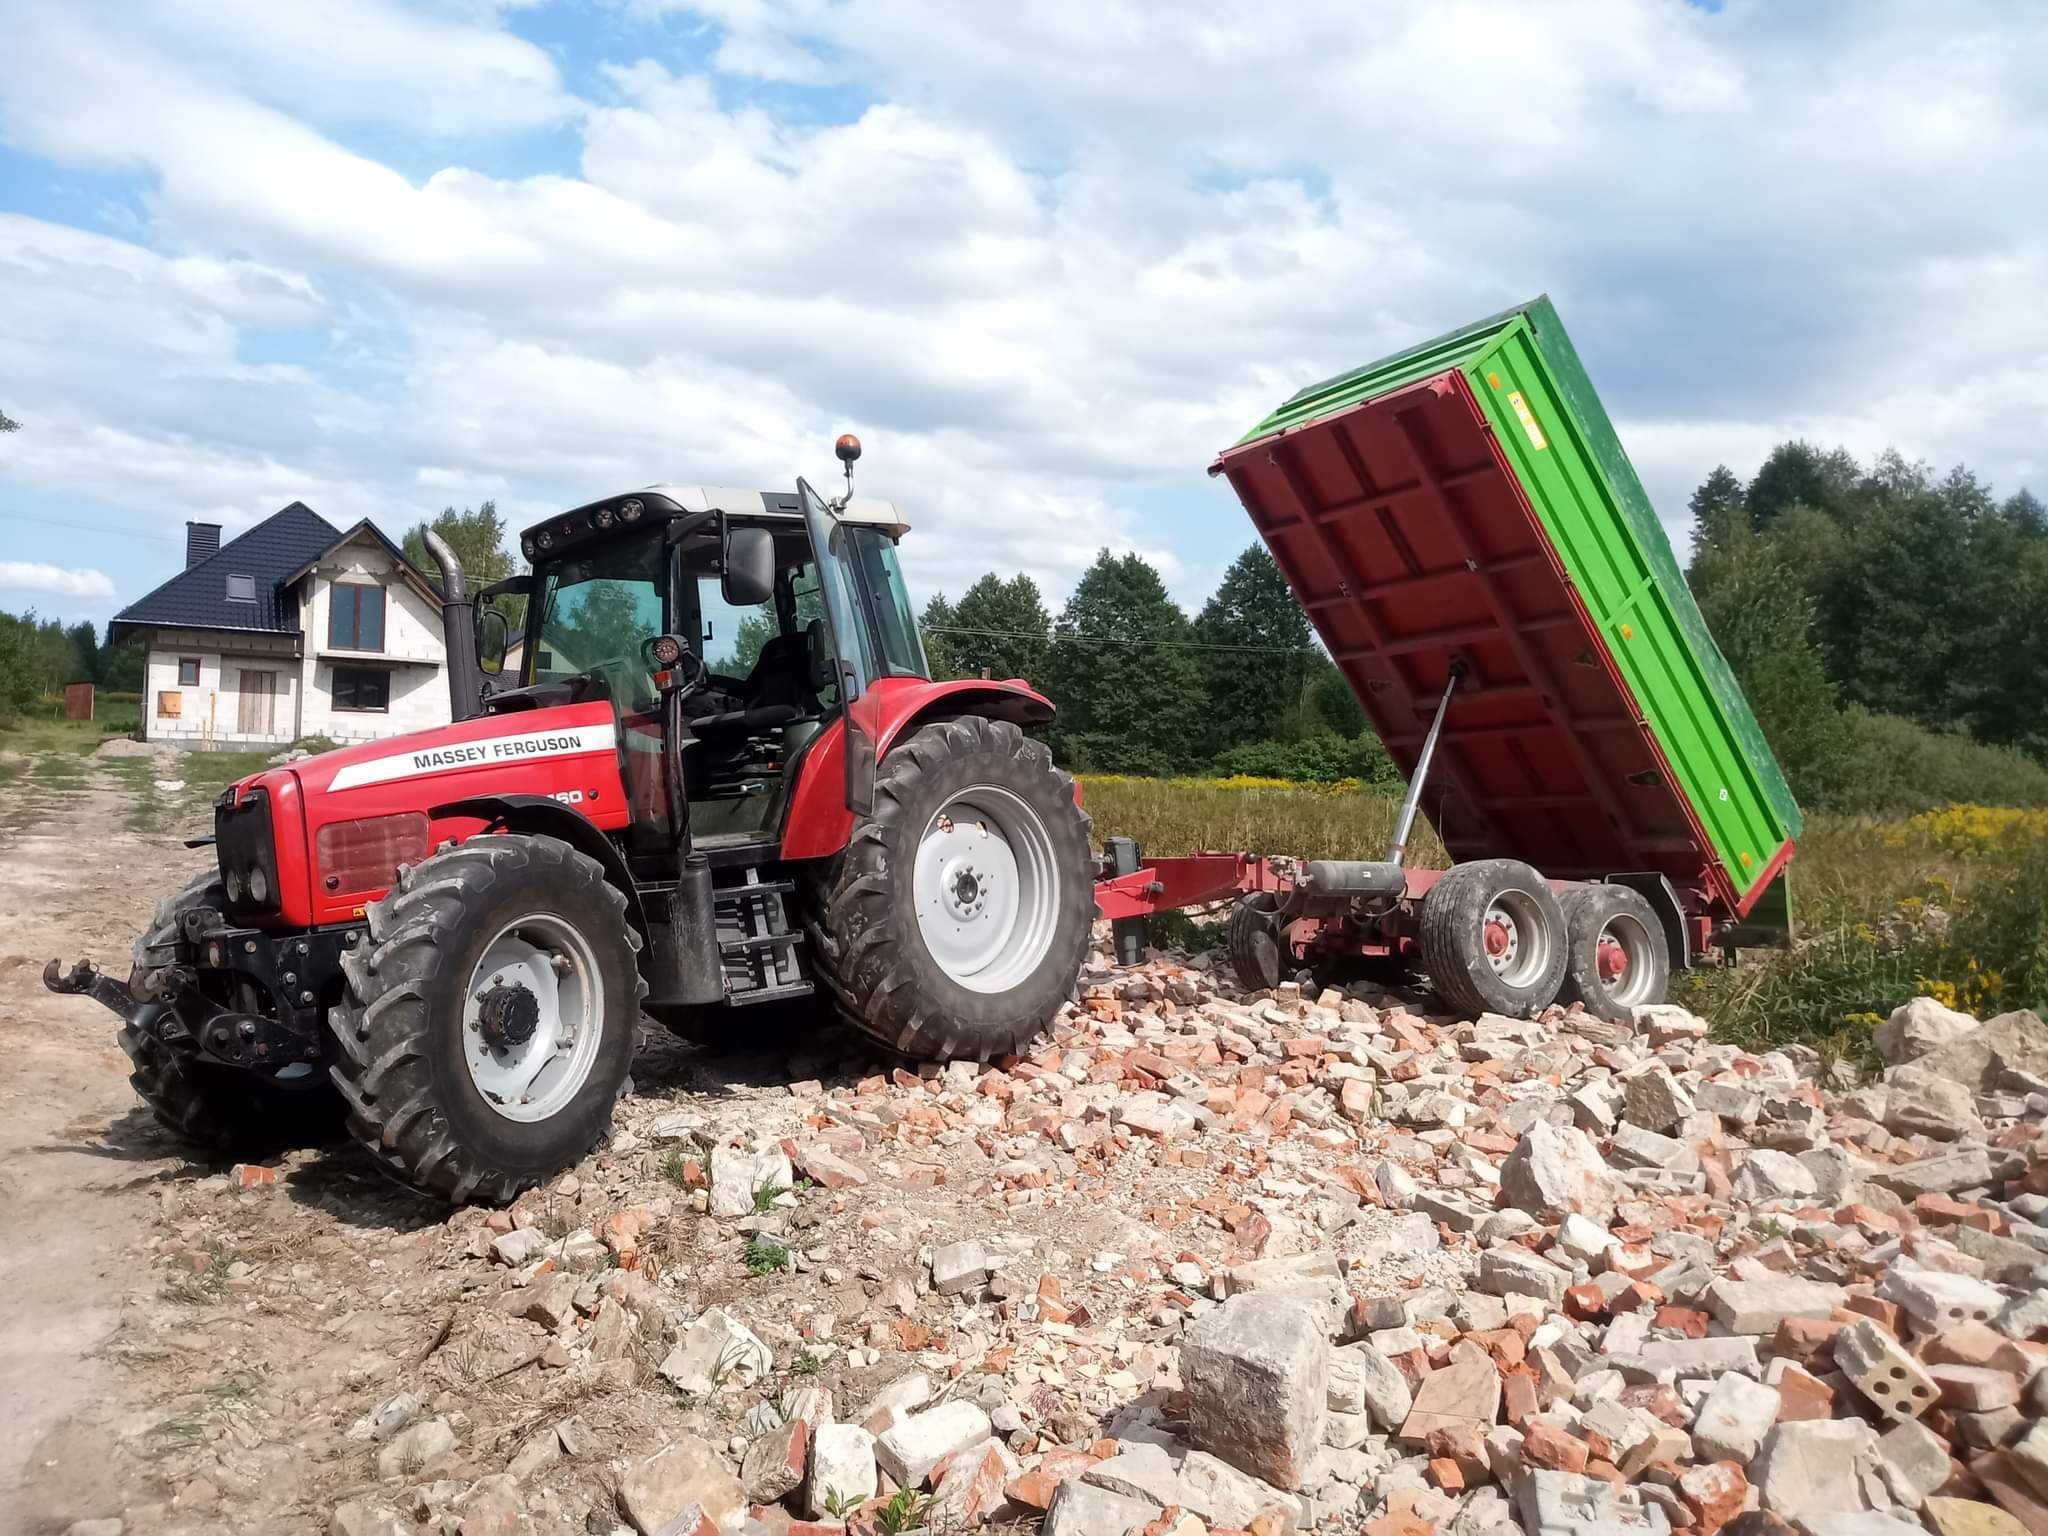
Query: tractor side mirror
column 492, row 640
column 749, row 576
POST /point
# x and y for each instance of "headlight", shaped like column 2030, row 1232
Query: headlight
column 547, row 540
column 602, row 517
column 259, row 886
column 526, row 546
column 630, row 511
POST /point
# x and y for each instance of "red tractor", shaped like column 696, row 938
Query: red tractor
column 710, row 772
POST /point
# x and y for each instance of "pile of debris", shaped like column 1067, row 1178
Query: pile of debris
column 1205, row 1263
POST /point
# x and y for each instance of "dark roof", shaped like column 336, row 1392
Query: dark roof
column 197, row 597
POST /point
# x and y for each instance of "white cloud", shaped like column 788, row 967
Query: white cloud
column 32, row 576
column 1068, row 253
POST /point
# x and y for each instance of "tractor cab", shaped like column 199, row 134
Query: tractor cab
column 769, row 643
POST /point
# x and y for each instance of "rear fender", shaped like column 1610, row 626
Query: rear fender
column 819, row 822
column 541, row 816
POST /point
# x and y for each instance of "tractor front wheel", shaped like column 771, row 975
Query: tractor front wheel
column 489, row 1027
column 218, row 1108
column 955, row 922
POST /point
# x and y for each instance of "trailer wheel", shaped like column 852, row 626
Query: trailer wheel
column 1492, row 938
column 489, row 1027
column 954, row 924
column 1616, row 956
column 1252, row 941
column 214, row 1107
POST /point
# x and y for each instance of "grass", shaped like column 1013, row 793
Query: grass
column 1177, row 816
column 903, row 1513
column 766, row 1193
column 763, row 1257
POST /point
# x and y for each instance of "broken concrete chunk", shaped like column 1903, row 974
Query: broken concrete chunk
column 908, row 1451
column 1919, row 1027
column 1554, row 1171
column 1256, row 1374
column 1758, row 1306
column 1734, row 1419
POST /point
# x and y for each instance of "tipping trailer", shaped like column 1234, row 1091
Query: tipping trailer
column 1462, row 527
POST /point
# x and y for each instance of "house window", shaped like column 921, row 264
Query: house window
column 241, row 589
column 362, row 688
column 188, row 671
column 355, row 618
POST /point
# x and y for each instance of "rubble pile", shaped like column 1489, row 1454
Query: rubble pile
column 1207, row 1263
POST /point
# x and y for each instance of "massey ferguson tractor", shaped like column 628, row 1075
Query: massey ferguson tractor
column 719, row 776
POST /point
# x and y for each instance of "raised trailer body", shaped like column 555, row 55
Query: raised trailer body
column 1465, row 508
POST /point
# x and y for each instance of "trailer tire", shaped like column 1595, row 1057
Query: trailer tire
column 1251, row 938
column 1627, row 921
column 418, row 1046
column 879, row 908
column 1492, row 938
column 218, row 1109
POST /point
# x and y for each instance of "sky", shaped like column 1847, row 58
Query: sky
column 1046, row 259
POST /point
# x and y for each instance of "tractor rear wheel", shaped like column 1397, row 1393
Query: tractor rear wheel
column 489, row 1027
column 1492, row 938
column 955, row 922
column 218, row 1108
column 1616, row 955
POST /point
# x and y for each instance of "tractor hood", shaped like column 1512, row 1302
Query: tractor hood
column 342, row 822
column 425, row 767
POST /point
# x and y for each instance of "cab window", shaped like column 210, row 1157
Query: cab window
column 597, row 611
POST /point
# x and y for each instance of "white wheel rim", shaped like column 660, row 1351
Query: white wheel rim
column 1634, row 983
column 522, row 1075
column 986, row 889
column 1524, row 959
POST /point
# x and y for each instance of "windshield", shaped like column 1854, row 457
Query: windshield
column 892, row 626
column 596, row 612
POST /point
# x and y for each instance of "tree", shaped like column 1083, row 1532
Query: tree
column 1129, row 691
column 1720, row 512
column 1262, row 653
column 8, row 423
column 933, row 627
column 477, row 535
column 85, row 645
column 999, row 628
column 1763, row 622
column 1799, row 473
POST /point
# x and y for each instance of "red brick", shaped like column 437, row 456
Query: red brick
column 1689, row 1321
column 1546, row 1445
column 1803, row 1396
column 253, row 1175
column 1715, row 1493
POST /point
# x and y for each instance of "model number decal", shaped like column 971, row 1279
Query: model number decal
column 487, row 751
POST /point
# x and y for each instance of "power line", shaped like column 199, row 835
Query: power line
column 133, row 533
column 1164, row 645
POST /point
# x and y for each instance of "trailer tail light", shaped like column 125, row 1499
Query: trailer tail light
column 364, row 855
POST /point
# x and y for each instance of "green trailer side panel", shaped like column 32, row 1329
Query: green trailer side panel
column 1549, row 424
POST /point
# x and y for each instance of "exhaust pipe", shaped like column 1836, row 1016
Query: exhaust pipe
column 458, row 633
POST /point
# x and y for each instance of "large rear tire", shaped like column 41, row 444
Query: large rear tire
column 954, row 924
column 1492, row 938
column 1616, row 956
column 490, row 1025
column 218, row 1109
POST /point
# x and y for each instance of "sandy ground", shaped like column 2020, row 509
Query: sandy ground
column 79, row 1157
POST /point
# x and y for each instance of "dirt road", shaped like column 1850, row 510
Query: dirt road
column 79, row 1159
